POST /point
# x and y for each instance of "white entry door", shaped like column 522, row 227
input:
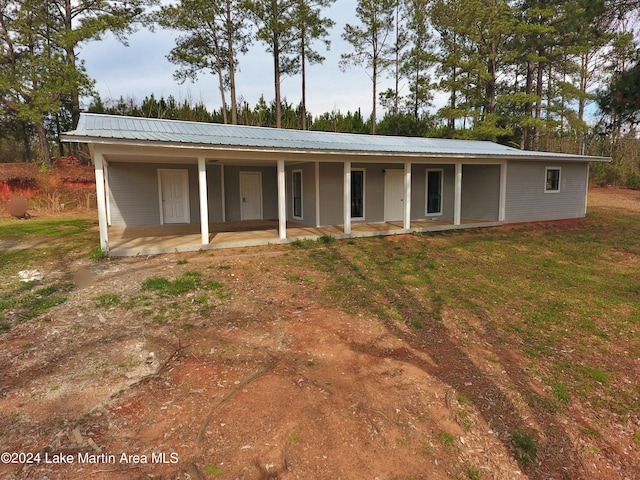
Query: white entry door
column 251, row 195
column 393, row 195
column 174, row 196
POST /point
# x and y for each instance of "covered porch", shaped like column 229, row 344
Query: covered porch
column 328, row 201
column 156, row 239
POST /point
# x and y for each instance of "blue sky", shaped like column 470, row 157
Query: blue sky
column 142, row 68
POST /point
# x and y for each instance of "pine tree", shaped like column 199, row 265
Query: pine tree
column 371, row 42
column 35, row 77
column 308, row 26
column 275, row 20
column 215, row 31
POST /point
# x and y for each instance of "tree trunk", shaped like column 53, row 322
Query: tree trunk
column 44, row 144
column 304, row 81
column 220, row 76
column 491, row 83
column 276, row 62
column 71, row 61
column 232, row 66
column 375, row 93
column 525, row 142
column 539, row 91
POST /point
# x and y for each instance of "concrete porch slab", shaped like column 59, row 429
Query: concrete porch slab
column 155, row 239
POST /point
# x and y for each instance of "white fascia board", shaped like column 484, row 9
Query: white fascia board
column 294, row 153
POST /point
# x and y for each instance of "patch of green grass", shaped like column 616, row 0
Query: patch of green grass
column 212, row 469
column 58, row 227
column 590, row 432
column 425, row 450
column 525, row 447
column 292, row 438
column 326, row 239
column 98, row 253
column 303, row 243
column 158, row 284
column 33, row 304
column 597, row 375
column 186, row 282
column 473, row 473
column 417, row 323
column 447, row 440
column 182, row 261
column 66, row 237
column 107, row 300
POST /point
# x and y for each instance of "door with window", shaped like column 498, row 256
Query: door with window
column 174, row 196
column 250, row 196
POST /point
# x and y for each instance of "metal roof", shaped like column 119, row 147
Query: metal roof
column 112, row 129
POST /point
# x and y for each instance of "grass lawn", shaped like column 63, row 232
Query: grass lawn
column 542, row 317
column 566, row 299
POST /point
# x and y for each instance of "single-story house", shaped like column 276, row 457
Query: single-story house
column 166, row 185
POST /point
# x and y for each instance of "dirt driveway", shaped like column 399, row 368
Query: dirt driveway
column 261, row 382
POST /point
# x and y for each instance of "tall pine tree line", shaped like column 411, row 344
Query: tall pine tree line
column 528, row 73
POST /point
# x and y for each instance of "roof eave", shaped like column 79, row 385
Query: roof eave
column 534, row 156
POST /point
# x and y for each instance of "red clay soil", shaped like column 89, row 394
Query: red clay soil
column 272, row 384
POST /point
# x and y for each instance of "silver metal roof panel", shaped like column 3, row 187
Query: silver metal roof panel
column 101, row 128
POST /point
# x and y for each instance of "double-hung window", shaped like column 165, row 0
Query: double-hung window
column 552, row 179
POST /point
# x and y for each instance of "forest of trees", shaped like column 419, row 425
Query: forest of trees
column 525, row 73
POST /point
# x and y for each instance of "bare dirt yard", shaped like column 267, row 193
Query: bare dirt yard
column 251, row 374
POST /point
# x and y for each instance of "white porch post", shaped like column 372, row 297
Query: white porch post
column 282, row 202
column 204, row 206
column 99, row 162
column 503, row 192
column 407, row 195
column 107, row 191
column 457, row 202
column 317, row 179
column 347, row 197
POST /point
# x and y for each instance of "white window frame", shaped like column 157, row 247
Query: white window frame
column 426, row 192
column 546, row 176
column 293, row 194
column 364, row 191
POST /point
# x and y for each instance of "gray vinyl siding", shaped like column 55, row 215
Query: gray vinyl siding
column 269, row 191
column 526, row 200
column 418, row 199
column 419, row 193
column 214, row 193
column 448, row 192
column 134, row 195
column 308, row 193
column 480, row 192
column 374, row 189
column 331, row 194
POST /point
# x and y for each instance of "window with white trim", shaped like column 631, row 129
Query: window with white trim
column 552, row 179
column 434, row 192
column 297, row 194
column 357, row 193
